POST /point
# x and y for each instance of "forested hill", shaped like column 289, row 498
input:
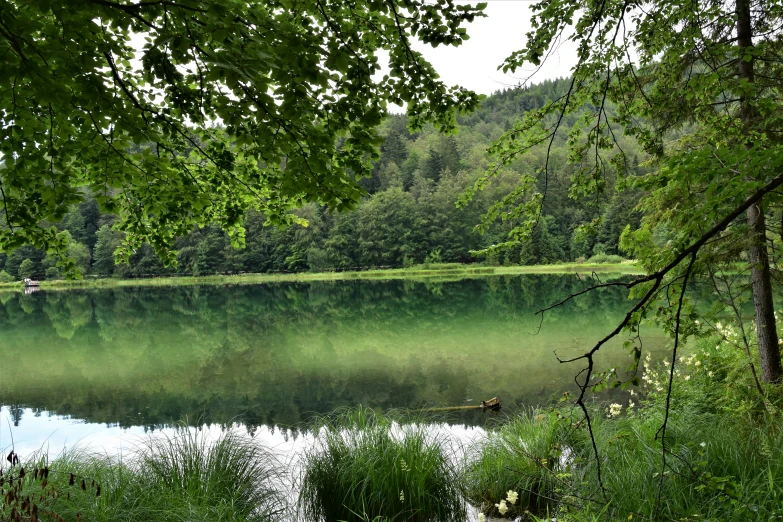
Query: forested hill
column 408, row 217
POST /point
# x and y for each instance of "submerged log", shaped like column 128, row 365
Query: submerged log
column 492, row 404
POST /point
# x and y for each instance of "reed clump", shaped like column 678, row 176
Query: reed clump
column 231, row 479
column 523, row 455
column 364, row 466
column 185, row 477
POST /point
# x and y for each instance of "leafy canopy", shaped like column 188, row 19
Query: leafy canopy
column 177, row 113
column 669, row 75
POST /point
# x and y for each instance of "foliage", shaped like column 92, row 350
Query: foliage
column 5, row 277
column 697, row 86
column 404, row 218
column 364, row 466
column 292, row 83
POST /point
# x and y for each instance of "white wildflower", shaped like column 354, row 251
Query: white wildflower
column 502, row 507
column 631, row 405
column 710, row 374
column 402, row 496
column 482, row 518
column 697, row 363
column 703, row 444
column 512, row 496
column 633, row 393
column 615, row 409
column 687, row 377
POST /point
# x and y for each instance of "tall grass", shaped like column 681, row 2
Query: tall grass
column 364, row 466
column 229, row 479
column 718, row 467
column 185, row 477
column 522, row 455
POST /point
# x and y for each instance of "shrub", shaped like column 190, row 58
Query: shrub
column 364, row 466
column 605, row 258
column 5, row 277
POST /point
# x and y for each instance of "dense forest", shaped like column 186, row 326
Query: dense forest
column 409, row 215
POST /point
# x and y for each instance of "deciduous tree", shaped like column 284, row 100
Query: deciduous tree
column 122, row 98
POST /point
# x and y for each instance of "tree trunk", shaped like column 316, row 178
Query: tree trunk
column 769, row 350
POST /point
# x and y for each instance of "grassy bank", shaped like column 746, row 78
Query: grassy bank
column 427, row 272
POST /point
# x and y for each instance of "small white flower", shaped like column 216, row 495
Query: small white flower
column 703, row 444
column 615, row 409
column 502, row 507
column 631, row 405
column 482, row 518
column 633, row 393
column 666, row 363
column 710, row 374
column 402, row 496
column 697, row 363
column 512, row 496
column 687, row 377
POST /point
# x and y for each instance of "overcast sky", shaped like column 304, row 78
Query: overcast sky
column 474, row 64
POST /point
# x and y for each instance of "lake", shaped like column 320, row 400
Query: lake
column 271, row 356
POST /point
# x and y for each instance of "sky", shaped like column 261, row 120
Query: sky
column 474, row 64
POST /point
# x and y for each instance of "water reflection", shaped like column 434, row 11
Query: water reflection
column 277, row 354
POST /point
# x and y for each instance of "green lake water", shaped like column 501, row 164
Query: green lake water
column 275, row 354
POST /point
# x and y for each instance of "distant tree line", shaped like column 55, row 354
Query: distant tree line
column 408, row 217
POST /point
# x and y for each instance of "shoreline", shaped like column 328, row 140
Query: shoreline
column 420, row 273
